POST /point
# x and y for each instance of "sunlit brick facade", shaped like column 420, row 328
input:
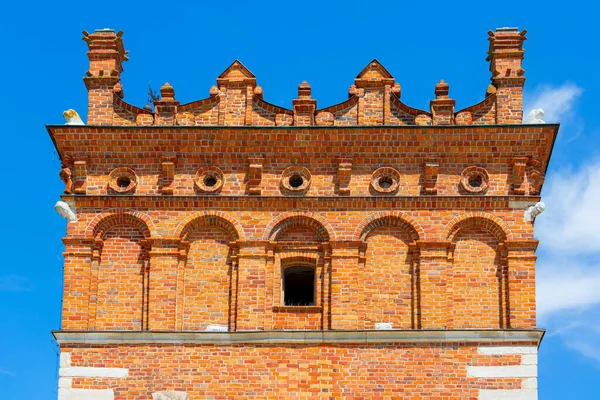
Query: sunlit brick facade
column 232, row 248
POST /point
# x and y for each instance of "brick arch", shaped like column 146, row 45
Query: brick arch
column 210, row 218
column 298, row 257
column 389, row 218
column 303, row 219
column 483, row 220
column 104, row 221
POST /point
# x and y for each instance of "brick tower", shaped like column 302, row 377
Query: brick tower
column 231, row 248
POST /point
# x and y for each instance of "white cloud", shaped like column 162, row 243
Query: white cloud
column 565, row 287
column 4, row 371
column 572, row 221
column 568, row 268
column 15, row 283
column 558, row 103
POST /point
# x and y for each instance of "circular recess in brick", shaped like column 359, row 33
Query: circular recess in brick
column 474, row 180
column 295, row 180
column 385, row 180
column 209, row 179
column 122, row 180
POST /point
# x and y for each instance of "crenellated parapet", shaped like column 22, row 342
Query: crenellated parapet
column 237, row 100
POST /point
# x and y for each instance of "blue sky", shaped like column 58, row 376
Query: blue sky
column 284, row 43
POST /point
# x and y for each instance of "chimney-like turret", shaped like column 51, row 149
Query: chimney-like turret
column 506, row 56
column 103, row 78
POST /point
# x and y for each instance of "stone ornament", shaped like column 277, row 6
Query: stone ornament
column 209, row 179
column 474, row 180
column 72, row 117
column 217, row 328
column 535, row 117
column 122, row 180
column 385, row 180
column 64, row 210
column 170, row 395
column 533, row 211
column 295, row 180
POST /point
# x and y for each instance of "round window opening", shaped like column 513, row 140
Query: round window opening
column 296, row 181
column 385, row 182
column 476, row 181
column 210, row 180
column 123, row 182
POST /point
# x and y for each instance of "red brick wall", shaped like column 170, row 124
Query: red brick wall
column 207, row 280
column 387, row 279
column 474, row 284
column 283, row 371
column 121, row 280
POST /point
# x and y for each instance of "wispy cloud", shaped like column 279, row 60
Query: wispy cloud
column 568, row 284
column 15, row 283
column 558, row 103
column 572, row 224
column 4, row 371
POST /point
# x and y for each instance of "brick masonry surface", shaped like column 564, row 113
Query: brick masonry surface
column 189, row 215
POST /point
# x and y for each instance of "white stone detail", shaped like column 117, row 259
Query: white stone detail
column 485, row 394
column 383, row 326
column 86, row 394
column 217, row 328
column 529, row 383
column 535, row 117
column 170, row 395
column 506, row 350
column 93, row 372
column 534, row 211
column 529, row 359
column 65, row 360
column 65, row 382
column 505, row 371
column 72, row 117
column 65, row 211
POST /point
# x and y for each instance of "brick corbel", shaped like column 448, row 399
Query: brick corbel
column 521, row 249
column 535, row 177
column 344, row 175
column 168, row 174
column 163, row 246
column 66, row 174
column 255, row 169
column 518, row 175
column 80, row 168
column 431, row 175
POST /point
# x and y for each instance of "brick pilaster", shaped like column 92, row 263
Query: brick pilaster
column 521, row 283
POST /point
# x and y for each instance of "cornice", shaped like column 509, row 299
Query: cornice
column 300, row 337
